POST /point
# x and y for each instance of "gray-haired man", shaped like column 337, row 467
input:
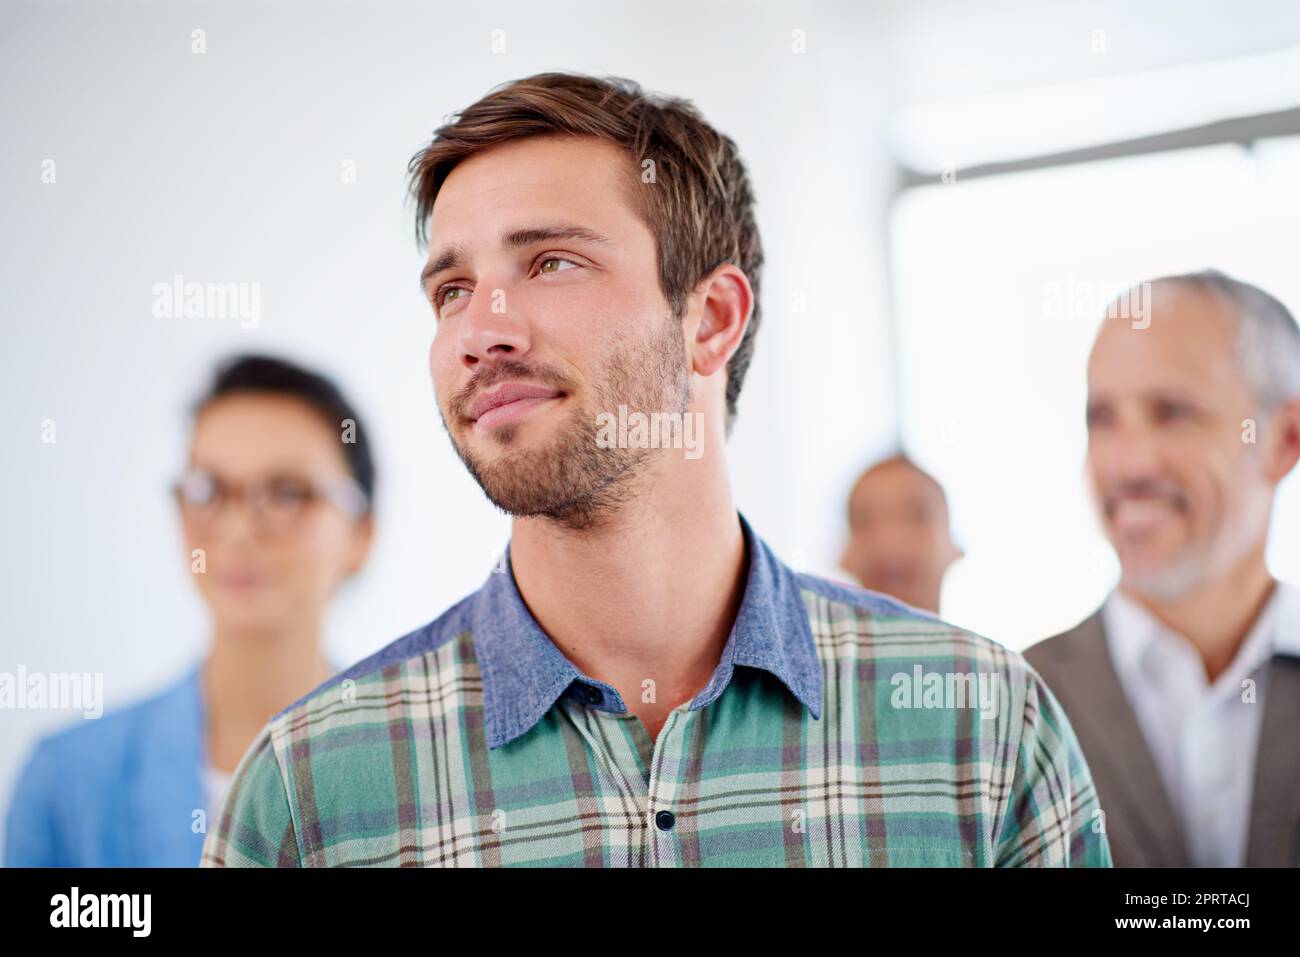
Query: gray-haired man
column 1184, row 688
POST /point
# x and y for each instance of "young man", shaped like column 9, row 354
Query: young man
column 1185, row 685
column 643, row 682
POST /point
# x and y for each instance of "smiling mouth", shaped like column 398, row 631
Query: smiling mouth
column 511, row 411
column 1136, row 516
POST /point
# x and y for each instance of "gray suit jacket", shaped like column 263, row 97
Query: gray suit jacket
column 1143, row 828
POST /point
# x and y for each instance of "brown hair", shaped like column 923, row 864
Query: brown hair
column 701, row 210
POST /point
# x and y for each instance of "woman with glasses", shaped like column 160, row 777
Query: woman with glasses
column 275, row 506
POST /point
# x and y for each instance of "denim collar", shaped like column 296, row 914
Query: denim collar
column 524, row 673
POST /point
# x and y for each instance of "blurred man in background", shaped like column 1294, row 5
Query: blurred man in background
column 1184, row 687
column 900, row 542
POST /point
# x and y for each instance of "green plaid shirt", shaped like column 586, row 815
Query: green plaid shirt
column 840, row 728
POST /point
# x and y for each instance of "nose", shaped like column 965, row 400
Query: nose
column 234, row 521
column 490, row 331
column 1128, row 452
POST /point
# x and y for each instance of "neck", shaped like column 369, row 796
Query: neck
column 1217, row 614
column 651, row 593
column 248, row 677
column 925, row 598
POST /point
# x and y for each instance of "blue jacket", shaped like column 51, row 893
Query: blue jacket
column 118, row 791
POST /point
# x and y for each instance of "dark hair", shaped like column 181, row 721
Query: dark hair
column 243, row 374
column 700, row 208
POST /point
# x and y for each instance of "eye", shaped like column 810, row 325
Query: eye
column 1170, row 410
column 289, row 491
column 443, row 298
column 1098, row 416
column 555, row 261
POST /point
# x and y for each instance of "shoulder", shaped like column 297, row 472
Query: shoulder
column 360, row 686
column 882, row 628
column 99, row 744
column 68, row 800
column 1048, row 654
column 925, row 678
column 280, row 783
column 939, row 695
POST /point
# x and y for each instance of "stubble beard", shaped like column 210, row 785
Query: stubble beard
column 570, row 480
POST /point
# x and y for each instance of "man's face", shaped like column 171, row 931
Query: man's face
column 899, row 541
column 549, row 312
column 1181, row 495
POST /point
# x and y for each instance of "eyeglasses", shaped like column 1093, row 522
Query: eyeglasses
column 276, row 503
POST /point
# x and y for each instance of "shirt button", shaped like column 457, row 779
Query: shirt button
column 592, row 695
column 665, row 820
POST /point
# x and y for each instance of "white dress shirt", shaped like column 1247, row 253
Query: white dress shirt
column 1203, row 736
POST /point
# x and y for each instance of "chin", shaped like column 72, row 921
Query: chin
column 1151, row 555
column 1168, row 580
column 249, row 617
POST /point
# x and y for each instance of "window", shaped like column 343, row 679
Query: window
column 1000, row 283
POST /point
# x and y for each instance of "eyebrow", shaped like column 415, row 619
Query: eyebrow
column 454, row 255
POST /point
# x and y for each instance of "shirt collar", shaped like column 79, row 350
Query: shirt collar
column 1133, row 633
column 524, row 673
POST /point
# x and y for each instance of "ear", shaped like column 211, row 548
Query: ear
column 845, row 554
column 728, row 302
column 1284, row 449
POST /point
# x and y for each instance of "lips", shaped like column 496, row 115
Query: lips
column 242, row 580
column 497, row 403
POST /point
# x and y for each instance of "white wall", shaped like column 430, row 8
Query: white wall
column 993, row 358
